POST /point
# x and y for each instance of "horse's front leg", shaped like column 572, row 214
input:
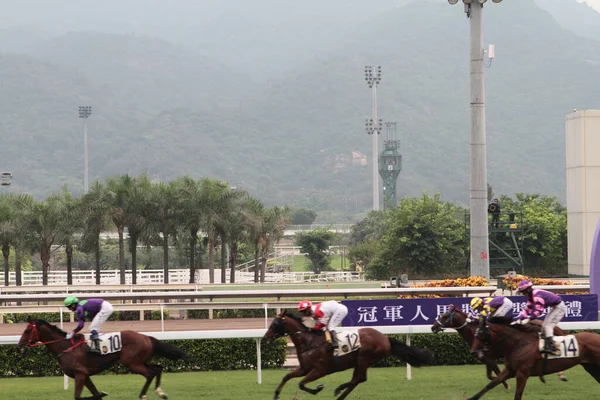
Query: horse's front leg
column 313, row 375
column 294, row 374
column 521, row 382
column 92, row 388
column 504, row 375
column 492, row 366
column 80, row 380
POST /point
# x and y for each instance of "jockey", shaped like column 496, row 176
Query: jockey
column 329, row 315
column 498, row 306
column 97, row 309
column 537, row 301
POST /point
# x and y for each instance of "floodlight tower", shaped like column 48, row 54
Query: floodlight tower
column 84, row 113
column 480, row 263
column 373, row 126
column 390, row 165
column 5, row 179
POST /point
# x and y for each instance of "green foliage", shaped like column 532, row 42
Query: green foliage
column 369, row 229
column 202, row 355
column 423, row 238
column 315, row 245
column 545, row 238
column 303, row 216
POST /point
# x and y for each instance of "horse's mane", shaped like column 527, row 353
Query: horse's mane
column 56, row 329
column 295, row 317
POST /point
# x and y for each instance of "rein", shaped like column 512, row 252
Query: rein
column 34, row 341
column 451, row 315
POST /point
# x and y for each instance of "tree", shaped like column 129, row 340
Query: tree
column 369, row 229
column 69, row 223
column 163, row 219
column 303, row 216
column 6, row 233
column 545, row 236
column 423, row 238
column 96, row 205
column 138, row 215
column 275, row 220
column 118, row 189
column 315, row 246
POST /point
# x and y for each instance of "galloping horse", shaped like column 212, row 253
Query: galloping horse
column 134, row 351
column 455, row 319
column 522, row 357
column 317, row 357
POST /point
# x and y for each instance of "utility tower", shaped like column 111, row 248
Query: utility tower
column 373, row 126
column 390, row 165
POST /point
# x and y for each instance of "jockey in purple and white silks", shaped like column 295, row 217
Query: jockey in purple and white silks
column 537, row 301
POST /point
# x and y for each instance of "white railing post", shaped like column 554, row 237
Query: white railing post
column 258, row 362
column 408, row 366
column 266, row 318
column 162, row 318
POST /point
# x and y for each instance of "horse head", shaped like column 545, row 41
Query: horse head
column 454, row 318
column 38, row 331
column 282, row 325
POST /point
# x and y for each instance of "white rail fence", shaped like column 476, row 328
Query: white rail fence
column 178, row 276
column 259, row 333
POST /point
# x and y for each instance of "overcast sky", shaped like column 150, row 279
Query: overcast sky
column 593, row 3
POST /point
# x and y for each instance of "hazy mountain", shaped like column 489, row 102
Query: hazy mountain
column 578, row 17
column 191, row 108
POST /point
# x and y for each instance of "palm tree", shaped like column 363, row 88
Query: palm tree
column 119, row 189
column 215, row 198
column 6, row 233
column 275, row 220
column 237, row 227
column 191, row 210
column 163, row 219
column 137, row 217
column 96, row 219
column 69, row 222
column 255, row 220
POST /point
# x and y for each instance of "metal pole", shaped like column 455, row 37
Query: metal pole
column 258, row 362
column 375, row 152
column 85, row 157
column 480, row 263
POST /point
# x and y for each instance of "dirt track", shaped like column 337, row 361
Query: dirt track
column 154, row 326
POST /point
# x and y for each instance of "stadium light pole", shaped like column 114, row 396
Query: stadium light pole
column 479, row 238
column 373, row 127
column 5, row 179
column 84, row 113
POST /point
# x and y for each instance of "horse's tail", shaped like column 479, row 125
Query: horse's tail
column 411, row 355
column 166, row 350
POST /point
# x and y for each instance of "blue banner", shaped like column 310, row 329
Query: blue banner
column 582, row 307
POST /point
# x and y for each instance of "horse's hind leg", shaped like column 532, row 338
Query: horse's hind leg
column 158, row 372
column 147, row 372
column 561, row 376
column 593, row 370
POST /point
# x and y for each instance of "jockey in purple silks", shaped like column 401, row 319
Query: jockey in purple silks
column 97, row 309
column 537, row 301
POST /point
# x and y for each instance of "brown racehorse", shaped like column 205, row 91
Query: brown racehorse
column 455, row 319
column 522, row 357
column 317, row 360
column 76, row 362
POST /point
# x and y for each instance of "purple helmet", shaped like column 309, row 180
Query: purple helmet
column 524, row 284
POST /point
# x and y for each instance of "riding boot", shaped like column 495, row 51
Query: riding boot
column 334, row 340
column 96, row 340
column 549, row 346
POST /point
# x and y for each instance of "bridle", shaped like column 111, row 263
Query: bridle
column 448, row 323
column 35, row 341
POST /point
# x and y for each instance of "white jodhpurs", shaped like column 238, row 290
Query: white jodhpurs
column 555, row 314
column 337, row 317
column 101, row 317
column 504, row 309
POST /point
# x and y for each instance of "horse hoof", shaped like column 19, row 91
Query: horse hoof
column 103, row 394
column 563, row 378
column 320, row 387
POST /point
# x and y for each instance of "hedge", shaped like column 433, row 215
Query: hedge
column 203, row 355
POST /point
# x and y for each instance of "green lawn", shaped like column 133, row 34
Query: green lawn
column 446, row 383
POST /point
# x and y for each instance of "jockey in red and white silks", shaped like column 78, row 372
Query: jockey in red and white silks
column 329, row 315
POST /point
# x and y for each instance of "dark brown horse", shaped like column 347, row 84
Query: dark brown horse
column 317, row 359
column 455, row 319
column 522, row 357
column 78, row 363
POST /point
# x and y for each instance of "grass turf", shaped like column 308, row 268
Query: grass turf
column 446, row 383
